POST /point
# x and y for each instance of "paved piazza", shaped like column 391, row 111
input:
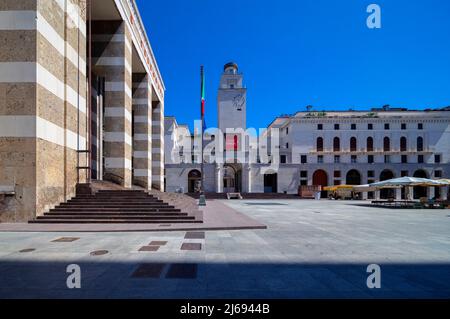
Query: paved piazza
column 311, row 249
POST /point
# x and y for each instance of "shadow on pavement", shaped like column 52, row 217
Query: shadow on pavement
column 24, row 279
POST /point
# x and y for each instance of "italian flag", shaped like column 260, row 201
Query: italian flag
column 203, row 93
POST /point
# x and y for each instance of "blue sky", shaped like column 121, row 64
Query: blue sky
column 295, row 53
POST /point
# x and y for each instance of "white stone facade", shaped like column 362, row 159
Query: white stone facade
column 323, row 148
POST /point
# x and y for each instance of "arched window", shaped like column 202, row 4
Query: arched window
column 319, row 144
column 353, row 144
column 336, row 144
column 387, row 144
column 420, row 144
column 369, row 144
column 403, row 144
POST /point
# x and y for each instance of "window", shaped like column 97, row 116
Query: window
column 353, row 144
column 320, row 127
column 319, row 145
column 353, row 127
column 404, row 173
column 337, row 174
column 420, row 144
column 420, row 126
column 387, row 144
column 320, row 159
column 420, row 159
column 304, row 159
column 337, row 159
column 337, row 183
column 371, row 174
column 404, row 159
column 437, row 159
column 287, row 130
column 287, row 145
column 387, row 126
column 403, row 144
column 438, row 174
column 369, row 144
column 387, row 159
column 354, row 159
column 304, row 174
column 337, row 127
column 283, row 159
column 370, row 127
column 403, row 126
column 336, row 144
column 370, row 159
column 303, row 183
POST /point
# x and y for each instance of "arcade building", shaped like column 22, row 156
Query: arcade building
column 81, row 99
column 319, row 149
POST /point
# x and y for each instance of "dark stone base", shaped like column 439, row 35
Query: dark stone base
column 84, row 189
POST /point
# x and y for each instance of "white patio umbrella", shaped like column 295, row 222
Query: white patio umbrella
column 368, row 188
column 408, row 182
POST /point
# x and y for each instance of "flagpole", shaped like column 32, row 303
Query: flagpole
column 202, row 75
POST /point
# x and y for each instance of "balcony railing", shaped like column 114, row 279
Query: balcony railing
column 372, row 152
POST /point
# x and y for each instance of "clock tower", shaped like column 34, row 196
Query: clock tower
column 232, row 99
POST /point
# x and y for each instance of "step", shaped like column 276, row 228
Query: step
column 116, row 209
column 69, row 213
column 133, row 205
column 109, row 217
column 124, row 221
column 104, row 200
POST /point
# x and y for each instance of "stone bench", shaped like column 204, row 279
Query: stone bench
column 234, row 196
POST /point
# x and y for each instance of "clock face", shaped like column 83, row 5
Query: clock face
column 239, row 101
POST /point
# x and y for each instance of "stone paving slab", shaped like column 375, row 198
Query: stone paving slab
column 311, row 249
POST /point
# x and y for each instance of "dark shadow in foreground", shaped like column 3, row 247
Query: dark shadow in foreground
column 24, row 279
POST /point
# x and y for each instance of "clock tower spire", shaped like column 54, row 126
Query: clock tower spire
column 232, row 99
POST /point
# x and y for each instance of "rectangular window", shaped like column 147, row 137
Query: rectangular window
column 437, row 159
column 354, row 159
column 387, row 159
column 337, row 182
column 287, row 145
column 337, row 174
column 303, row 183
column 337, row 159
column 304, row 159
column 371, row 174
column 405, row 173
column 387, row 126
column 337, row 127
column 370, row 127
column 438, row 174
column 287, row 130
column 420, row 159
column 353, row 127
column 320, row 127
column 420, row 126
column 320, row 159
column 370, row 159
column 404, row 159
column 304, row 174
column 283, row 159
column 371, row 195
column 403, row 126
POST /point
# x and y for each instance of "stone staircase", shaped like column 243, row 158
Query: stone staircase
column 116, row 207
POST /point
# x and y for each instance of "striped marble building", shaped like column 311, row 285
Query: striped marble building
column 54, row 54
